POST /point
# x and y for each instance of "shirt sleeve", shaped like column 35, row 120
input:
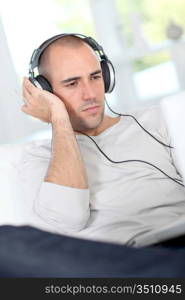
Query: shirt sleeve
column 65, row 208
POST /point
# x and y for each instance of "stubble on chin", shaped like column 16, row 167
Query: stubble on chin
column 81, row 124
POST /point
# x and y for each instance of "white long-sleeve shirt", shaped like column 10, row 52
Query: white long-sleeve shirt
column 123, row 202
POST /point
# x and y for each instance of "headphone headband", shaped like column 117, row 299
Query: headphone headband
column 34, row 62
column 107, row 67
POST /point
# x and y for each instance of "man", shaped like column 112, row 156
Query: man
column 71, row 187
column 82, row 193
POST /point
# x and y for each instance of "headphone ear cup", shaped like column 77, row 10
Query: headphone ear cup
column 108, row 75
column 41, row 82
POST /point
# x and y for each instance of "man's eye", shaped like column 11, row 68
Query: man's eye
column 96, row 77
column 71, row 84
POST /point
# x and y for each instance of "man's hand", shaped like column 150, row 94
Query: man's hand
column 42, row 104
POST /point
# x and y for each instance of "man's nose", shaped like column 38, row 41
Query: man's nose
column 88, row 91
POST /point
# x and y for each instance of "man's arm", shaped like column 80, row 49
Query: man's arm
column 64, row 195
column 66, row 165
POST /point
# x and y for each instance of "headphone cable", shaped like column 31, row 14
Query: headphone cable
column 130, row 160
column 128, row 115
column 134, row 160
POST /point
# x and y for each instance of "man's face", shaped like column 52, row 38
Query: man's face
column 76, row 78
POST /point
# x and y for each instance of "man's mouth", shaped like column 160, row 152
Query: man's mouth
column 92, row 108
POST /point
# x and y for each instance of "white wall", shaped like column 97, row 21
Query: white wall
column 14, row 124
column 37, row 21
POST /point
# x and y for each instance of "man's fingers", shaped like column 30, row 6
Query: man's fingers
column 30, row 88
column 24, row 108
column 26, row 96
column 29, row 91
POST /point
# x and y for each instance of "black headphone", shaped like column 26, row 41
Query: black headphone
column 40, row 81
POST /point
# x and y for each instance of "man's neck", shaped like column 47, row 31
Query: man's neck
column 105, row 124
